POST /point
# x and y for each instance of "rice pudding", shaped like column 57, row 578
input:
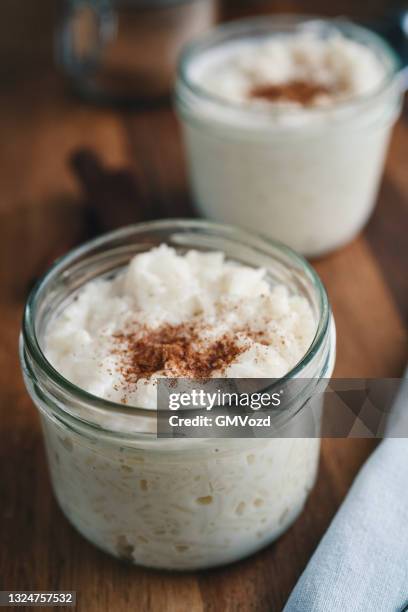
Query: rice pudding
column 286, row 123
column 175, row 504
column 166, row 314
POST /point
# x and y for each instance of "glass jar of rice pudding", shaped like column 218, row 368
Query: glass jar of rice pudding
column 286, row 122
column 178, row 504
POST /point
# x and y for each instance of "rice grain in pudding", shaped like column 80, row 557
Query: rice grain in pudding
column 176, row 504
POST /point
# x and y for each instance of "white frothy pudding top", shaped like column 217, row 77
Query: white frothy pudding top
column 177, row 315
column 300, row 70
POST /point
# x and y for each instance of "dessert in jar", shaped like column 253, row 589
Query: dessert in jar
column 173, row 298
column 286, row 122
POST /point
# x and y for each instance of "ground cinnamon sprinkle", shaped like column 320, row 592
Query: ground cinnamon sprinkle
column 179, row 350
column 303, row 92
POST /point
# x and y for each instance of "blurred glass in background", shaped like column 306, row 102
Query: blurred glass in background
column 126, row 50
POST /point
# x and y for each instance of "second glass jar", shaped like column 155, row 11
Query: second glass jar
column 311, row 184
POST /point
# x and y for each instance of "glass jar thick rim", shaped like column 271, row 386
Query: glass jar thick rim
column 277, row 24
column 32, row 345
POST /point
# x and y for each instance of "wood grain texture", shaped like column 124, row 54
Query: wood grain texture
column 41, row 213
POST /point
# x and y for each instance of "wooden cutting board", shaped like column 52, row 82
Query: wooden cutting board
column 41, row 213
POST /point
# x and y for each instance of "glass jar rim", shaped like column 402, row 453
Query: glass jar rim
column 32, row 344
column 277, row 24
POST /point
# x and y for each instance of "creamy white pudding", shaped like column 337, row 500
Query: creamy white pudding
column 176, row 504
column 120, row 334
column 299, row 70
column 286, row 124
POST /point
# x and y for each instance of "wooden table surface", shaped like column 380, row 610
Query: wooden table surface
column 40, row 215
